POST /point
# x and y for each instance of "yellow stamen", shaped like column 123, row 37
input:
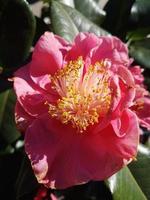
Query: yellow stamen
column 83, row 97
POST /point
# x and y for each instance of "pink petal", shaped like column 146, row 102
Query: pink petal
column 137, row 74
column 120, row 125
column 127, row 87
column 83, row 44
column 113, row 49
column 64, row 157
column 47, row 58
column 22, row 118
column 29, row 95
column 144, row 113
column 123, row 98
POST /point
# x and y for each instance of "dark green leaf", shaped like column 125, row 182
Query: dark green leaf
column 67, row 22
column 140, row 51
column 92, row 11
column 26, row 183
column 7, row 150
column 8, row 129
column 140, row 13
column 4, row 84
column 138, row 34
column 17, row 27
column 123, row 186
column 93, row 190
column 82, row 23
column 9, row 167
column 117, row 16
column 62, row 24
column 41, row 28
column 141, row 168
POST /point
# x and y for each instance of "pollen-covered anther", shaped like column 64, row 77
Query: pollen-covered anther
column 138, row 105
column 84, row 96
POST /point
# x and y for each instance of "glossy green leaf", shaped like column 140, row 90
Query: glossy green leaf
column 140, row 51
column 62, row 24
column 92, row 11
column 8, row 129
column 67, row 22
column 123, row 186
column 138, row 34
column 118, row 12
column 82, row 23
column 141, row 168
column 67, row 2
column 140, row 13
column 17, row 27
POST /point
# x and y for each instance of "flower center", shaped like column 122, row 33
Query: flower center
column 84, row 96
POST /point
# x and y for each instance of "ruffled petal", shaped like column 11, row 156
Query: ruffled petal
column 64, row 157
column 111, row 48
column 47, row 58
column 120, row 125
column 83, row 44
column 137, row 74
column 123, row 90
column 22, row 118
column 29, row 95
column 144, row 113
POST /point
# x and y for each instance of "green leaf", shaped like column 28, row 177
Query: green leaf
column 26, row 184
column 82, row 23
column 17, row 27
column 41, row 28
column 123, row 186
column 62, row 24
column 67, row 22
column 67, row 2
column 140, row 51
column 9, row 167
column 140, row 13
column 141, row 168
column 93, row 12
column 118, row 12
column 8, row 131
column 138, row 34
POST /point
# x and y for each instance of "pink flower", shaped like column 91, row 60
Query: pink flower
column 141, row 104
column 74, row 105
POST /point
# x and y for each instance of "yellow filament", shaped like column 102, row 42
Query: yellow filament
column 83, row 97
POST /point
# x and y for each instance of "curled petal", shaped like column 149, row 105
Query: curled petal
column 28, row 94
column 22, row 118
column 144, row 113
column 64, row 158
column 47, row 58
column 120, row 125
column 137, row 74
column 83, row 44
column 112, row 48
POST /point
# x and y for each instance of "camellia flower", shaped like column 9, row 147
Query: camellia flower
column 142, row 98
column 77, row 105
